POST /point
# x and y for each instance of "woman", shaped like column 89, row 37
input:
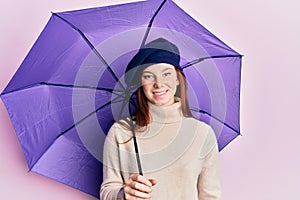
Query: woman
column 179, row 154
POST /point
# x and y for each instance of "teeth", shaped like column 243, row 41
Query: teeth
column 160, row 93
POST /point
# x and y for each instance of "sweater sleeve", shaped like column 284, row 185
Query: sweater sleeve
column 209, row 184
column 112, row 177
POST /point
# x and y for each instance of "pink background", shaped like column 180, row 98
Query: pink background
column 263, row 164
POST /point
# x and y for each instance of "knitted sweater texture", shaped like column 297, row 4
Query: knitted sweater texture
column 180, row 153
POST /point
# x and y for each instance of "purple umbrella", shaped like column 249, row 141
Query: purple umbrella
column 70, row 88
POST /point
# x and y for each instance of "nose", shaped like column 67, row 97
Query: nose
column 159, row 79
column 157, row 82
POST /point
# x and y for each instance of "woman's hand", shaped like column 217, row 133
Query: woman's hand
column 138, row 187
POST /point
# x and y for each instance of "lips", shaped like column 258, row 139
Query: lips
column 160, row 93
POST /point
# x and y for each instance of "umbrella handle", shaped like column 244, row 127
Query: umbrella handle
column 137, row 155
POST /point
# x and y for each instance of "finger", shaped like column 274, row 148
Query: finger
column 141, row 179
column 129, row 197
column 131, row 193
column 153, row 182
column 138, row 186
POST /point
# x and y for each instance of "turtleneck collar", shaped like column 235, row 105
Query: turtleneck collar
column 165, row 114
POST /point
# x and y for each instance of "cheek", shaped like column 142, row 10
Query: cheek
column 146, row 89
column 172, row 84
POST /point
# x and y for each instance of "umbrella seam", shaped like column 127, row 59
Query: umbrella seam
column 193, row 62
column 92, row 47
column 151, row 23
column 88, row 115
column 227, row 125
column 62, row 85
column 71, row 127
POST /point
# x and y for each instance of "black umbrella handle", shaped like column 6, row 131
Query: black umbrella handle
column 136, row 148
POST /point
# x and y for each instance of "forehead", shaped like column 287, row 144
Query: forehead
column 159, row 67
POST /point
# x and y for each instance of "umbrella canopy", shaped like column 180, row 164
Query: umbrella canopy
column 70, row 88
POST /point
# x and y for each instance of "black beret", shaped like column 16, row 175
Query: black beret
column 156, row 51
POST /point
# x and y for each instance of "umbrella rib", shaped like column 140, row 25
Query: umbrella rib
column 92, row 47
column 122, row 108
column 78, row 122
column 77, row 86
column 21, row 88
column 205, row 58
column 88, row 115
column 113, row 91
column 151, row 22
column 227, row 125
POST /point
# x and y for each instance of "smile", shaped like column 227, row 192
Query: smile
column 160, row 93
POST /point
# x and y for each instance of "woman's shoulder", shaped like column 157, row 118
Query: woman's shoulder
column 120, row 129
column 204, row 132
column 200, row 124
column 123, row 123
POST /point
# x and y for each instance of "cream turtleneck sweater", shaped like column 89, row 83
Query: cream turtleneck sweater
column 180, row 153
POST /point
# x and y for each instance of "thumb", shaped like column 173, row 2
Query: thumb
column 153, row 182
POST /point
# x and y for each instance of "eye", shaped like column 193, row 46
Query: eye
column 167, row 74
column 148, row 77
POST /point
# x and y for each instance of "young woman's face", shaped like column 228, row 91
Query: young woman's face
column 159, row 83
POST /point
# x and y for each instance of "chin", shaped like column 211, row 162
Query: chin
column 163, row 103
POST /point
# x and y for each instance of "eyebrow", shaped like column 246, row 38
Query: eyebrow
column 168, row 68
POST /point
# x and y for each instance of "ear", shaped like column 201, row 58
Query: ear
column 177, row 82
